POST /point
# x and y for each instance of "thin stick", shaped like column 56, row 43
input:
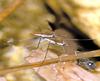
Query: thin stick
column 10, row 9
column 95, row 53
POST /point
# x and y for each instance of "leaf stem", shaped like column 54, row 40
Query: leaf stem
column 95, row 53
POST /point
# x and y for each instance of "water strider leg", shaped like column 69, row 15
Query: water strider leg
column 44, row 37
column 60, row 60
column 44, row 56
column 38, row 43
column 63, row 47
column 46, row 52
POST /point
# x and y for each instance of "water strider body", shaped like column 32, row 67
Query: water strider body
column 54, row 42
column 45, row 35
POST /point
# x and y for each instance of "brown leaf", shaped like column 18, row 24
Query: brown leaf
column 62, row 71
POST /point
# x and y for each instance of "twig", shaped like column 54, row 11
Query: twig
column 10, row 9
column 95, row 53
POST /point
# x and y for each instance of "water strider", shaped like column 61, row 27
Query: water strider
column 51, row 39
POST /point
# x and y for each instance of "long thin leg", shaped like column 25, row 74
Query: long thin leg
column 44, row 56
column 46, row 51
column 60, row 63
column 39, row 43
column 32, row 50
